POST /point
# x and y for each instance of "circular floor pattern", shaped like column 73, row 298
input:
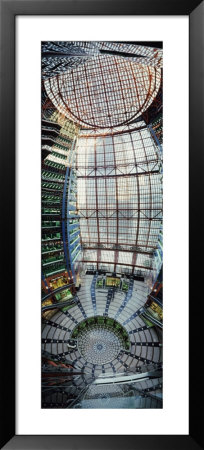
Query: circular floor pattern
column 99, row 345
column 140, row 347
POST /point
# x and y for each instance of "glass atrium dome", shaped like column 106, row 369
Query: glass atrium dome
column 102, row 206
column 105, row 91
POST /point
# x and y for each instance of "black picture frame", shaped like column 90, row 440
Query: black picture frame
column 9, row 10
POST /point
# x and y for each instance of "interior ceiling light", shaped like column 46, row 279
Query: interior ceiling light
column 106, row 91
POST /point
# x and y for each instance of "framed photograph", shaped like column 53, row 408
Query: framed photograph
column 101, row 156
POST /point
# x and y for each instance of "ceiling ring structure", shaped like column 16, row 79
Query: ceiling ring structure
column 106, row 91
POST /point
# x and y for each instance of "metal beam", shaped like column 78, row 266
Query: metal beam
column 149, row 172
column 119, row 264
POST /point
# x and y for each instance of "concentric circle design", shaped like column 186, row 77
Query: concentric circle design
column 99, row 338
column 99, row 346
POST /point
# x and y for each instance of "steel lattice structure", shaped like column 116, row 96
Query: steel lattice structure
column 101, row 84
column 107, row 90
column 119, row 198
column 58, row 57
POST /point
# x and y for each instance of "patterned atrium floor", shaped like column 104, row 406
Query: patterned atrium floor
column 99, row 345
column 112, row 338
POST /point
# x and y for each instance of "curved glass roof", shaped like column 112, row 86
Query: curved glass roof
column 119, row 199
column 106, row 91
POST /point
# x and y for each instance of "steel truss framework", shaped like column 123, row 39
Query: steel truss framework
column 108, row 89
column 119, row 198
column 101, row 84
